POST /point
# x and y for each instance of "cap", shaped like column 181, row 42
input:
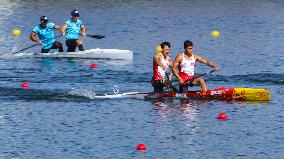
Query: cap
column 43, row 19
column 75, row 13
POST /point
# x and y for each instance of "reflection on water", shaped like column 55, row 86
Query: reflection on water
column 8, row 20
column 178, row 119
column 186, row 107
column 6, row 9
column 189, row 109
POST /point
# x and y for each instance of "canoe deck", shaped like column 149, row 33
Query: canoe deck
column 91, row 54
column 240, row 94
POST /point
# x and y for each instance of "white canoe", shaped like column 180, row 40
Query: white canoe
column 121, row 95
column 92, row 54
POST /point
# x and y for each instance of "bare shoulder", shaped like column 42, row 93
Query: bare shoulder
column 157, row 55
column 179, row 55
column 178, row 58
column 196, row 56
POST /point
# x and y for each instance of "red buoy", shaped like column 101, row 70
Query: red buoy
column 141, row 147
column 93, row 65
column 25, row 85
column 222, row 116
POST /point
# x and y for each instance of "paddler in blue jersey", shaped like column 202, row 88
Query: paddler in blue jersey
column 45, row 34
column 185, row 63
column 72, row 28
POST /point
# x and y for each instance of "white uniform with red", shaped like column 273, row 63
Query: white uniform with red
column 186, row 68
column 158, row 72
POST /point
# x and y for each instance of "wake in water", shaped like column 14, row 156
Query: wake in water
column 35, row 94
column 83, row 93
column 91, row 94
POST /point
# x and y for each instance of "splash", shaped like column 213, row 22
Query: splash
column 83, row 92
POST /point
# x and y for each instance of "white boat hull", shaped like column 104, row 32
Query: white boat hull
column 121, row 95
column 92, row 54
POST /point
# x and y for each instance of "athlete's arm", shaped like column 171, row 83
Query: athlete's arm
column 171, row 62
column 157, row 60
column 207, row 62
column 175, row 64
column 33, row 38
column 83, row 30
column 59, row 28
column 63, row 28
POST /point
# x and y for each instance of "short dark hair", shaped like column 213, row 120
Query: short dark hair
column 163, row 44
column 187, row 43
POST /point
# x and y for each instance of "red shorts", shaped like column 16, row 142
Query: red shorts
column 185, row 76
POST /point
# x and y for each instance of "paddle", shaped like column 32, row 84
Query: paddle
column 96, row 36
column 207, row 73
column 25, row 48
column 32, row 46
column 169, row 85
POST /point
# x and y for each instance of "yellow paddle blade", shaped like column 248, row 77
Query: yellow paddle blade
column 252, row 94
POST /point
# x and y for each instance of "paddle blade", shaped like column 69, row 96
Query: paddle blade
column 167, row 82
column 24, row 49
column 169, row 85
column 96, row 36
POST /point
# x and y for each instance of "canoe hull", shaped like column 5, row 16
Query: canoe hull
column 240, row 94
column 91, row 54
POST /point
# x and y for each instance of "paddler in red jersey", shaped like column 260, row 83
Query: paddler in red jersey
column 161, row 63
column 185, row 63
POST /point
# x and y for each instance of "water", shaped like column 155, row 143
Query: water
column 46, row 121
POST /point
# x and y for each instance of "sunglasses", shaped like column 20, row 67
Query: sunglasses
column 44, row 21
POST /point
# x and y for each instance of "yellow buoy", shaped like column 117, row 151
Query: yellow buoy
column 16, row 32
column 158, row 48
column 215, row 34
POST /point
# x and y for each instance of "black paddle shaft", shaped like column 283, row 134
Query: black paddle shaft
column 25, row 49
column 207, row 73
column 96, row 36
column 93, row 36
column 169, row 83
column 32, row 46
column 190, row 81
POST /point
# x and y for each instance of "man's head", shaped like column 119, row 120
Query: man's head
column 43, row 20
column 188, row 46
column 166, row 47
column 75, row 14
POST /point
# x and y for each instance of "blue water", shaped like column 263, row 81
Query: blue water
column 46, row 121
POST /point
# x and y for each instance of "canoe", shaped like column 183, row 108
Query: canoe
column 240, row 94
column 91, row 54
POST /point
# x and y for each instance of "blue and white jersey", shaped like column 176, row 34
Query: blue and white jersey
column 73, row 29
column 46, row 35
